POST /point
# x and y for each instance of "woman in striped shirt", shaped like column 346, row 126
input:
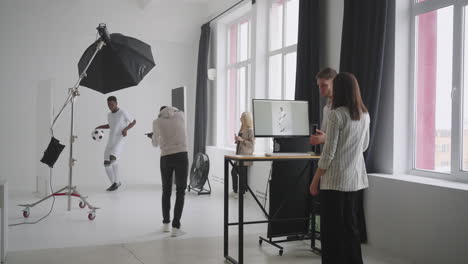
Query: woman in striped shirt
column 341, row 172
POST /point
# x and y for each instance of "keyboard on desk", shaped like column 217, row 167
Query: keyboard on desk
column 287, row 154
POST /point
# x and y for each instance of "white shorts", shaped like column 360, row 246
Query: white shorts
column 114, row 150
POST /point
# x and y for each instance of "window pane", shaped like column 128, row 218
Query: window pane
column 465, row 92
column 433, row 83
column 232, row 43
column 290, row 76
column 292, row 22
column 231, row 108
column 275, row 77
column 249, row 87
column 242, row 89
column 276, row 25
column 244, row 41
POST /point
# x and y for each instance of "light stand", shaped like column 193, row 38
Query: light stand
column 70, row 190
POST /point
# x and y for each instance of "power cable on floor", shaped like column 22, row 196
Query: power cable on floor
column 50, row 211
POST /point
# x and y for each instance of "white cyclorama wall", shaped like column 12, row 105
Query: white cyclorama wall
column 44, row 40
column 423, row 223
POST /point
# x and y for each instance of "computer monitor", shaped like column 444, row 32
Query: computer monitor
column 280, row 118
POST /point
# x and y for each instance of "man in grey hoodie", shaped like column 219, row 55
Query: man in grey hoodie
column 170, row 134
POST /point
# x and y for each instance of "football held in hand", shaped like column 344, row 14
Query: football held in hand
column 97, row 135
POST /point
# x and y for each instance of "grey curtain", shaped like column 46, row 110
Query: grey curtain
column 307, row 64
column 199, row 144
column 363, row 45
column 363, row 54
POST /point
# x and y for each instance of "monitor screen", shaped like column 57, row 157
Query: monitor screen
column 280, row 118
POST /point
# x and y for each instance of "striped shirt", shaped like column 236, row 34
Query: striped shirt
column 342, row 154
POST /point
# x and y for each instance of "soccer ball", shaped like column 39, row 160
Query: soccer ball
column 97, row 135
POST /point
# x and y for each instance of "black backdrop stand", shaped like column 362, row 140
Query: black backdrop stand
column 292, row 209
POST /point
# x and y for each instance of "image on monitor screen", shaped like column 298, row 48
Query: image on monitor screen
column 280, row 118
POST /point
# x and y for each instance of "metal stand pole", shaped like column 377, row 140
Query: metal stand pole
column 70, row 189
column 71, row 159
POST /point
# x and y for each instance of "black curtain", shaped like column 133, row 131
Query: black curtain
column 362, row 53
column 199, row 144
column 307, row 64
column 289, row 196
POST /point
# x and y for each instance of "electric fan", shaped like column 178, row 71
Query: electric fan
column 199, row 174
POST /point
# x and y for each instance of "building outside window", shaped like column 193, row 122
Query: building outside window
column 440, row 99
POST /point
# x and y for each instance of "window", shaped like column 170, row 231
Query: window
column 283, row 29
column 243, row 69
column 440, row 132
column 238, row 93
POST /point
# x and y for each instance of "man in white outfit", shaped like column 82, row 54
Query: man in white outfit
column 325, row 84
column 119, row 122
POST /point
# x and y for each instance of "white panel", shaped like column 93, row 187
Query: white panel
column 44, row 109
column 3, row 220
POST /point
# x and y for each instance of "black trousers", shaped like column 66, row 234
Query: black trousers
column 338, row 227
column 235, row 177
column 177, row 163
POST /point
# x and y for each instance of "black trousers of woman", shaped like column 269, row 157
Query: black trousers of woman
column 338, row 227
column 177, row 163
column 235, row 177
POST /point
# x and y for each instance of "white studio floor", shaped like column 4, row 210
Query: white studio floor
column 127, row 230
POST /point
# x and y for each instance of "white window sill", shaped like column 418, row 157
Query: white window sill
column 234, row 150
column 222, row 148
column 424, row 180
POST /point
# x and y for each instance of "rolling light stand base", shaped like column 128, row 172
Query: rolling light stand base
column 289, row 239
column 65, row 191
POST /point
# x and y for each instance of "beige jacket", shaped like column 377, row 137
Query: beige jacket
column 246, row 147
column 169, row 131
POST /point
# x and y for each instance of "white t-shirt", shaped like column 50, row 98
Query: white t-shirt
column 326, row 112
column 117, row 122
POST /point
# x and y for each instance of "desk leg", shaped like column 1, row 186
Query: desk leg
column 242, row 183
column 226, row 206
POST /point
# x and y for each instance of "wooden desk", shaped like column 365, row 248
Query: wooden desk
column 231, row 159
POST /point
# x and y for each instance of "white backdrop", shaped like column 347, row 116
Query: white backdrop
column 44, row 40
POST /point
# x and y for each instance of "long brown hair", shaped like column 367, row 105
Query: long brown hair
column 346, row 93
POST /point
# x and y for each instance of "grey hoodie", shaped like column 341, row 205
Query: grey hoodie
column 169, row 131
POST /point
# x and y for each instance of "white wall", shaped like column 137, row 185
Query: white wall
column 44, row 40
column 422, row 222
column 331, row 21
column 402, row 70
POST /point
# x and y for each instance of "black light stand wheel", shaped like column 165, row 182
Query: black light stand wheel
column 26, row 213
column 91, row 216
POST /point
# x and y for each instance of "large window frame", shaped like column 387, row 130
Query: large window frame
column 284, row 50
column 232, row 118
column 460, row 33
